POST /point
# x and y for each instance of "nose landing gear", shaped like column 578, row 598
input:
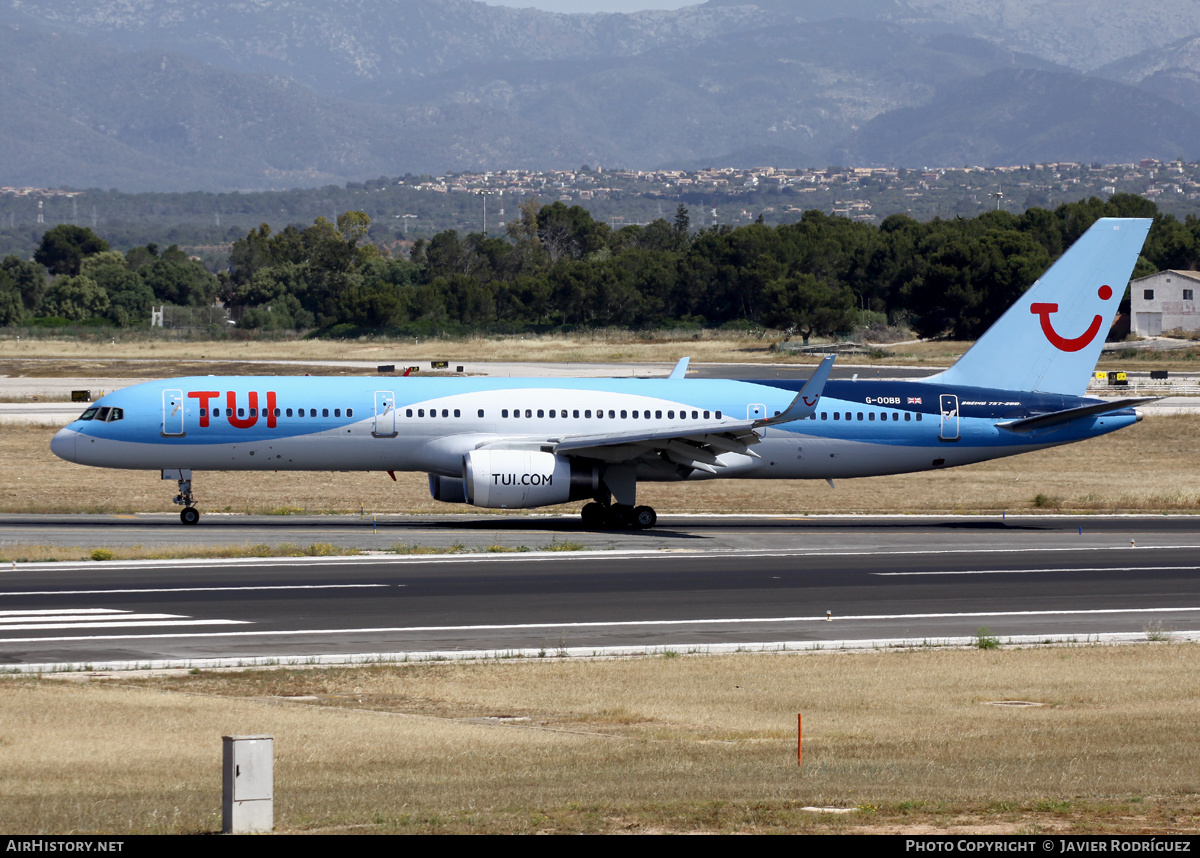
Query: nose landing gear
column 189, row 514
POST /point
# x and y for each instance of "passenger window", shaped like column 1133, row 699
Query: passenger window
column 670, row 415
column 528, row 412
column 705, row 415
column 577, row 413
column 420, row 412
column 480, row 412
column 622, row 413
column 241, row 412
column 289, row 412
column 695, row 415
column 551, row 412
column 337, row 412
column 203, row 412
column 824, row 415
column 860, row 415
column 837, row 415
column 253, row 412
column 587, row 413
column 503, row 412
column 871, row 415
column 908, row 415
column 349, row 412
column 457, row 413
column 324, row 412
column 918, row 416
column 612, row 415
column 541, row 413
column 408, row 412
column 658, row 415
column 718, row 415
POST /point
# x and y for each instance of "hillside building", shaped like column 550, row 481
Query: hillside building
column 1165, row 302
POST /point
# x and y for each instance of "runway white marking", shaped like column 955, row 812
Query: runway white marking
column 594, row 625
column 569, row 556
column 97, row 618
column 1031, row 571
column 193, row 590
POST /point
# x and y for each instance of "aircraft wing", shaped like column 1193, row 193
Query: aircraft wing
column 697, row 446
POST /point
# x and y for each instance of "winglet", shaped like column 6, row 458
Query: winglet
column 806, row 400
column 680, row 370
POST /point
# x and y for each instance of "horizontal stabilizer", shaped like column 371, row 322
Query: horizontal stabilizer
column 1060, row 418
column 805, row 403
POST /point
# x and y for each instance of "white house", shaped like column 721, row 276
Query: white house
column 1164, row 302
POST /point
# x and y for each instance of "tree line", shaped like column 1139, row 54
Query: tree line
column 559, row 268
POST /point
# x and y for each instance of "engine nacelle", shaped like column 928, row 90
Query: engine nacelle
column 519, row 479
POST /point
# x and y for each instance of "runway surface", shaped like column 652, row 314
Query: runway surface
column 703, row 583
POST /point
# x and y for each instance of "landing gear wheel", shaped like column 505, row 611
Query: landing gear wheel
column 643, row 517
column 189, row 515
column 593, row 515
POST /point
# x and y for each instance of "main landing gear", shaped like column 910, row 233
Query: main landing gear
column 189, row 514
column 618, row 516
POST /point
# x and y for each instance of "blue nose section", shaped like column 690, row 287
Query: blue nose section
column 63, row 444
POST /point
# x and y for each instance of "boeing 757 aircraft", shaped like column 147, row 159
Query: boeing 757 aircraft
column 520, row 443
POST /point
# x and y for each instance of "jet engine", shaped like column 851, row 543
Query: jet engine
column 517, row 479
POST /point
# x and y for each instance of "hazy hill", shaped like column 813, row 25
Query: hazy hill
column 159, row 94
column 1026, row 116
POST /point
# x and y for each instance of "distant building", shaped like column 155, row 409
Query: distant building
column 1165, row 302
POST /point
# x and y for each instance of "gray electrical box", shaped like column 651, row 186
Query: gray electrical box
column 248, row 780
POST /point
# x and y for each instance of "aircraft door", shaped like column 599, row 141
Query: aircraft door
column 172, row 414
column 949, row 409
column 756, row 411
column 385, row 414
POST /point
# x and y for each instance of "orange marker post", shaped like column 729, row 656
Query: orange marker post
column 799, row 737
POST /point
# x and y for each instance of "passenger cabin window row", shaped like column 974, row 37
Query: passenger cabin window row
column 869, row 416
column 279, row 412
column 586, row 414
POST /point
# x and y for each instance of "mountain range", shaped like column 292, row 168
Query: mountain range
column 254, row 94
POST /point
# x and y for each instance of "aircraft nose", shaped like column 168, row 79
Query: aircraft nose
column 63, row 444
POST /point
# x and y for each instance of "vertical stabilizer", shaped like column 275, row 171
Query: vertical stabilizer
column 1050, row 339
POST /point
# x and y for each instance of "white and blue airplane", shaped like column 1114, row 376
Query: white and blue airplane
column 529, row 442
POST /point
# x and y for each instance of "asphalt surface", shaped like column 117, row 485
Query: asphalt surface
column 705, row 583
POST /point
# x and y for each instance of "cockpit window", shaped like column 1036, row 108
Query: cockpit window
column 105, row 414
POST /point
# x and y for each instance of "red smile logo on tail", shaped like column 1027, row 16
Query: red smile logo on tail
column 1060, row 342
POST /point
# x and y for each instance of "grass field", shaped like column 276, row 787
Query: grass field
column 658, row 744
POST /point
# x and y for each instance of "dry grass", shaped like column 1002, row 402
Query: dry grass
column 598, row 346
column 1151, row 466
column 103, row 356
column 34, row 553
column 652, row 744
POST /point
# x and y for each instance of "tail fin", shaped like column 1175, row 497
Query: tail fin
column 1050, row 339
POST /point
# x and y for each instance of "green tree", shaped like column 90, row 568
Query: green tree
column 807, row 304
column 63, row 248
column 75, row 298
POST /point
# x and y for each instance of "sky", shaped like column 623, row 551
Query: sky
column 595, row 5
